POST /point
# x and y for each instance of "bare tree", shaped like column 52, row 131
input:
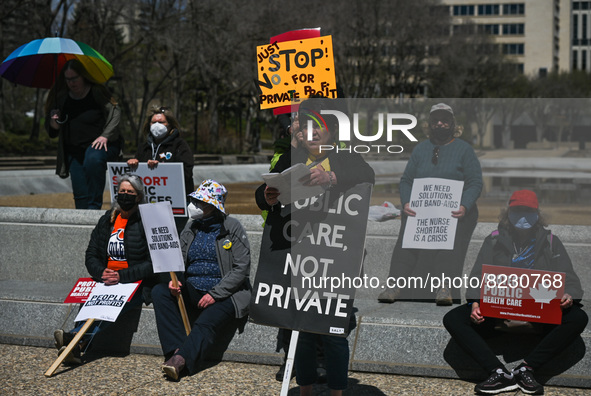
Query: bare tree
column 383, row 47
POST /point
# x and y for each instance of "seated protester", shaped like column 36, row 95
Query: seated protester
column 522, row 241
column 117, row 253
column 335, row 170
column 215, row 287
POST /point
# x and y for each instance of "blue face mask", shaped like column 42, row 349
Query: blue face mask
column 523, row 220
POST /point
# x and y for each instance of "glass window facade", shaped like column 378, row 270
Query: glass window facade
column 513, row 49
column 489, row 28
column 463, row 10
column 575, row 59
column 513, row 28
column 514, row 9
column 489, row 9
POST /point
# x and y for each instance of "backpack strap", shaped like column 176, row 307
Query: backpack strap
column 550, row 238
column 494, row 238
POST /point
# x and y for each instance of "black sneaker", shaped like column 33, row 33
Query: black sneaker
column 524, row 376
column 62, row 338
column 73, row 358
column 281, row 372
column 499, row 381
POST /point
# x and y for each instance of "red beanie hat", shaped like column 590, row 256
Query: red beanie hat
column 524, row 198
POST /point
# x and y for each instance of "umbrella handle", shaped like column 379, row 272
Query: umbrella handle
column 62, row 122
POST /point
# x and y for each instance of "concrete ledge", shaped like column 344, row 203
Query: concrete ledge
column 43, row 253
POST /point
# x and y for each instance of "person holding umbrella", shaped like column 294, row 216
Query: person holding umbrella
column 85, row 117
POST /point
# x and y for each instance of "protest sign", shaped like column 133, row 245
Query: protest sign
column 310, row 262
column 163, row 183
column 433, row 199
column 163, row 240
column 80, row 291
column 106, row 302
column 521, row 294
column 294, row 70
column 164, row 245
column 291, row 184
column 298, row 34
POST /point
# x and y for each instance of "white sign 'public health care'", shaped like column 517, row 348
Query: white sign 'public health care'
column 163, row 239
column 106, row 302
column 433, row 227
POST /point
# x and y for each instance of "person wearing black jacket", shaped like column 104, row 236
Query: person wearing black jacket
column 164, row 144
column 117, row 253
column 337, row 171
column 521, row 241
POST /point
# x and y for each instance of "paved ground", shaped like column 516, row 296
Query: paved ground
column 22, row 369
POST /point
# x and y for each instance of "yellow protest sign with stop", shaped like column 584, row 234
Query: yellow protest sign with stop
column 295, row 70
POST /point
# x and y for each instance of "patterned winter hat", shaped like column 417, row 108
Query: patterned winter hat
column 211, row 192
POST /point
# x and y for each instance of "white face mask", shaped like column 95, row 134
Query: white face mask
column 158, row 130
column 194, row 212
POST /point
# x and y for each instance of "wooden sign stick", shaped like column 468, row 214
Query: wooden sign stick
column 69, row 348
column 175, row 283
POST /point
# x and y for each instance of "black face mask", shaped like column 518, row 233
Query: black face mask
column 441, row 134
column 126, row 201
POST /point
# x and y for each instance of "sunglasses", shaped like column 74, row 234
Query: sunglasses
column 435, row 157
column 163, row 109
column 443, row 120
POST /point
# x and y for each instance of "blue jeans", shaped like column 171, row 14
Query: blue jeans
column 336, row 359
column 206, row 326
column 88, row 177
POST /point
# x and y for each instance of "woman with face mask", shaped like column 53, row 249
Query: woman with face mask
column 521, row 241
column 215, row 286
column 117, row 253
column 444, row 156
column 164, row 144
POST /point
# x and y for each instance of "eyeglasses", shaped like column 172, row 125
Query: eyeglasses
column 435, row 156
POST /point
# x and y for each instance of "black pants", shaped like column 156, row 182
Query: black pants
column 206, row 323
column 433, row 263
column 471, row 337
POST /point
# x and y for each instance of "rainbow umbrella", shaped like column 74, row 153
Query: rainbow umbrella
column 36, row 64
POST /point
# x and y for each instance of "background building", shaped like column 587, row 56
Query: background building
column 535, row 34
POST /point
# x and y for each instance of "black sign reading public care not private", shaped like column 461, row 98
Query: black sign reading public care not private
column 311, row 251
